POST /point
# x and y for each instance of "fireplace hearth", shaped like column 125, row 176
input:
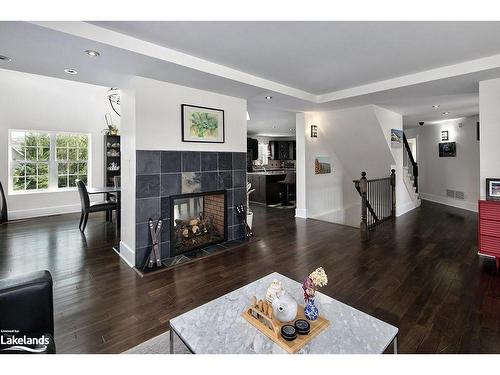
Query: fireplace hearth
column 198, row 220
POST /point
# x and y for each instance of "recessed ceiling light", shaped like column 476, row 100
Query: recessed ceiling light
column 269, row 97
column 70, row 71
column 446, row 113
column 5, row 58
column 435, row 106
column 92, row 53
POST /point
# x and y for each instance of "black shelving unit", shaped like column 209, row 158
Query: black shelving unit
column 112, row 153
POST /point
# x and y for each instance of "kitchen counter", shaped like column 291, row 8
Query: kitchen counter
column 268, row 190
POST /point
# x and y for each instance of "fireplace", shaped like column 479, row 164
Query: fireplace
column 197, row 220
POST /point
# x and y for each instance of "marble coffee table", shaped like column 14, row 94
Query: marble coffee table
column 218, row 328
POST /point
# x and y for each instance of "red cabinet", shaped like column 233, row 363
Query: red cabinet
column 489, row 229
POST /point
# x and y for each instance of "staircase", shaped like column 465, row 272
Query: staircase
column 410, row 173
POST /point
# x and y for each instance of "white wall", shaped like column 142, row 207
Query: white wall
column 151, row 120
column 356, row 140
column 455, row 173
column 158, row 116
column 489, row 122
column 34, row 102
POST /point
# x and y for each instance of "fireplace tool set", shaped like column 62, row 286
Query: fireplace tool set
column 154, row 254
column 242, row 215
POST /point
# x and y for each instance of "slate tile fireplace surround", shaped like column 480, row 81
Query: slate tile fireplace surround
column 162, row 174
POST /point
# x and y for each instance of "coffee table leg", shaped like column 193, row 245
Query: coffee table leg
column 171, row 341
column 395, row 343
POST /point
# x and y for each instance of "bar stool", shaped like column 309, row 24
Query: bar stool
column 288, row 181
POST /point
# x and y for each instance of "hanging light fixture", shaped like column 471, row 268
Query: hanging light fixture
column 114, row 99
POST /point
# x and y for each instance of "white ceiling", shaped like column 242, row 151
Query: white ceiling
column 321, row 57
column 262, row 58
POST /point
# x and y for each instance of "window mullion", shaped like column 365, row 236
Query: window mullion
column 52, row 162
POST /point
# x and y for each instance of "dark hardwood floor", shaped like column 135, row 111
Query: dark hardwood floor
column 420, row 273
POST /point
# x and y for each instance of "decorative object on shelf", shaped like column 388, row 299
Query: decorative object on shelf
column 315, row 280
column 260, row 314
column 447, row 149
column 314, row 131
column 111, row 159
column 284, row 307
column 322, row 165
column 444, row 135
column 493, row 189
column 274, row 289
column 113, row 167
column 110, row 128
column 202, row 124
column 249, row 212
column 3, row 204
column 396, row 138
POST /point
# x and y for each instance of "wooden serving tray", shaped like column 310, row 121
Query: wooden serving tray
column 271, row 327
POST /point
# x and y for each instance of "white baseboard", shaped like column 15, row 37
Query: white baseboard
column 44, row 211
column 301, row 212
column 127, row 254
column 404, row 208
column 470, row 206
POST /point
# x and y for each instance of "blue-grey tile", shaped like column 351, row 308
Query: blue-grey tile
column 165, row 207
column 148, row 162
column 208, row 161
column 239, row 196
column 239, row 179
column 170, row 184
column 147, row 208
column 165, row 231
column 225, row 180
column 229, row 216
column 140, row 256
column 229, row 198
column 165, row 250
column 225, row 161
column 240, row 161
column 142, row 235
column 209, row 181
column 238, row 232
column 191, row 161
column 147, row 186
column 191, row 182
column 170, row 161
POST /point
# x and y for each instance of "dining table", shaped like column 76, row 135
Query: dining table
column 108, row 191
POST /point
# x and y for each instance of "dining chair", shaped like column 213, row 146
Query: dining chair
column 88, row 207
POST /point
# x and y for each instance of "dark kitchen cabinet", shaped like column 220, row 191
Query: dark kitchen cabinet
column 283, row 150
column 267, row 188
column 253, row 147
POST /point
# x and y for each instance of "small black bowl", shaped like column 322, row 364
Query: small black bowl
column 288, row 332
column 302, row 326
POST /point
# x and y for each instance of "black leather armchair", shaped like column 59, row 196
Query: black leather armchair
column 27, row 309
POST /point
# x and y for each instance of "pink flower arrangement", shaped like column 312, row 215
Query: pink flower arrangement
column 315, row 280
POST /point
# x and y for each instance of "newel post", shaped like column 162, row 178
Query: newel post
column 393, row 190
column 363, row 187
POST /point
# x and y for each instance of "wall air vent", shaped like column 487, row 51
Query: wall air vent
column 455, row 194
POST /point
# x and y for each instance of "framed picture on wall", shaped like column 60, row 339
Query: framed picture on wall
column 202, row 124
column 493, row 188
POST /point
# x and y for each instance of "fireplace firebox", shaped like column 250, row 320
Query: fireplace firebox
column 197, row 220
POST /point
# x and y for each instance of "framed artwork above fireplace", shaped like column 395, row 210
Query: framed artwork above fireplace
column 202, row 124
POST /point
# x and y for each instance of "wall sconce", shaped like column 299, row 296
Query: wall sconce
column 444, row 135
column 314, row 131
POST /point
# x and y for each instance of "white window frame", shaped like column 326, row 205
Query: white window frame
column 53, row 175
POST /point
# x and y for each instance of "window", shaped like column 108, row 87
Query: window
column 71, row 156
column 263, row 153
column 45, row 161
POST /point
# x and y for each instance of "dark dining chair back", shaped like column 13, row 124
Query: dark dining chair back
column 87, row 207
column 84, row 196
